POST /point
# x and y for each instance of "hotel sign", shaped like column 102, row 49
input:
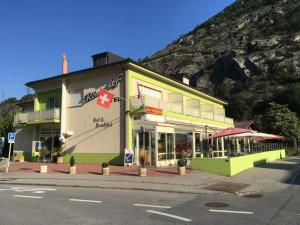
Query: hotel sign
column 110, row 85
column 152, row 110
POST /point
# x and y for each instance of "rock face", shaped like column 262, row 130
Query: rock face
column 246, row 54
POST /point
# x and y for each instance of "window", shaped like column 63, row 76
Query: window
column 149, row 92
column 53, row 103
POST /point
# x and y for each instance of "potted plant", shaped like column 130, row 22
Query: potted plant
column 181, row 166
column 59, row 155
column 143, row 169
column 105, row 169
column 44, row 167
column 72, row 165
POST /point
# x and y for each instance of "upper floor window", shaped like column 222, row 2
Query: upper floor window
column 149, row 92
column 53, row 103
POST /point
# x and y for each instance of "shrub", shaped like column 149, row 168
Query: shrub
column 104, row 165
column 181, row 163
column 72, row 161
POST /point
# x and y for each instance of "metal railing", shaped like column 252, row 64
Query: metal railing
column 37, row 116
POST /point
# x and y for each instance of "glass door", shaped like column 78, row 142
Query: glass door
column 144, row 146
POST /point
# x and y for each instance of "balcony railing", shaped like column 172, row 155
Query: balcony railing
column 44, row 116
column 204, row 110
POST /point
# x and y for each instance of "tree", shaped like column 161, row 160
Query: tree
column 278, row 119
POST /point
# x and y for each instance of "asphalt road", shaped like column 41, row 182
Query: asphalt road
column 24, row 205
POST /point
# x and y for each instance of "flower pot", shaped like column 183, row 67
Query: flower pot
column 43, row 168
column 143, row 172
column 105, row 171
column 21, row 158
column 60, row 160
column 181, row 170
column 72, row 169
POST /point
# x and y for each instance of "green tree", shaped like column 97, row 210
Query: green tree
column 278, row 119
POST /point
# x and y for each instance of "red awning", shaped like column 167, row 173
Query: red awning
column 231, row 131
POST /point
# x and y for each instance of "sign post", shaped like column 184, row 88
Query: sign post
column 11, row 137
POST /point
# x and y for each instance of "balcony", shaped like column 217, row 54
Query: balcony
column 38, row 117
column 192, row 107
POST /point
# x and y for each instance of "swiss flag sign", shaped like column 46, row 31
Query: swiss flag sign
column 104, row 98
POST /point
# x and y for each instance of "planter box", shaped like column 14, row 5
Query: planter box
column 18, row 159
column 43, row 168
column 72, row 170
column 143, row 172
column 105, row 171
column 21, row 159
column 60, row 160
column 181, row 170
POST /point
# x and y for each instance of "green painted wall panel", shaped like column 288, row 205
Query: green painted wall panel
column 96, row 158
column 212, row 165
column 233, row 166
column 42, row 99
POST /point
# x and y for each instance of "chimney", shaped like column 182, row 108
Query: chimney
column 64, row 64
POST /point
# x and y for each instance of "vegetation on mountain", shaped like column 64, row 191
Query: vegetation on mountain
column 248, row 55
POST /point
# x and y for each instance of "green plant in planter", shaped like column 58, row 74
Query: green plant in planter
column 72, row 161
column 59, row 152
column 104, row 165
column 43, row 153
column 181, row 163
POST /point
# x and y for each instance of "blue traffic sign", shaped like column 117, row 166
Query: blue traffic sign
column 11, row 137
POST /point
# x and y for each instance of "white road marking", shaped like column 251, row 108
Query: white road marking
column 5, row 189
column 169, row 215
column 27, row 196
column 229, row 211
column 39, row 192
column 153, row 206
column 84, row 200
column 34, row 189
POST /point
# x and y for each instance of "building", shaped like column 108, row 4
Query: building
column 152, row 115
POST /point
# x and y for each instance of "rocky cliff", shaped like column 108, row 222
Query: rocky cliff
column 248, row 55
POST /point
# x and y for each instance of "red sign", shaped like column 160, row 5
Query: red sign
column 104, row 98
column 152, row 110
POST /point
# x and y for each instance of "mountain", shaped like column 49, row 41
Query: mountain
column 248, row 55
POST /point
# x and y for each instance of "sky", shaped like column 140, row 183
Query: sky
column 34, row 34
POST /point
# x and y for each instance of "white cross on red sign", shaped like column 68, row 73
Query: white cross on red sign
column 104, row 98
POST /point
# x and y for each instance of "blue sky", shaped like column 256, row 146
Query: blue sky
column 34, row 34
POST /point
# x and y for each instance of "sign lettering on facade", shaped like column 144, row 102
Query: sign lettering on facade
column 152, row 110
column 110, row 85
column 99, row 122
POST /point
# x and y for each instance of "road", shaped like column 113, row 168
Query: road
column 25, row 205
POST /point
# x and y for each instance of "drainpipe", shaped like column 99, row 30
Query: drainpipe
column 63, row 100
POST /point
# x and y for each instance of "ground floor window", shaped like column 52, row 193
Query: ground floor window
column 165, row 146
column 184, row 145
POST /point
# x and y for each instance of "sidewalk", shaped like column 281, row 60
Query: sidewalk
column 271, row 177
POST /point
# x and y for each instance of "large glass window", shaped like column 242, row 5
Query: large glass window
column 184, row 145
column 165, row 146
column 198, row 144
column 170, row 146
column 161, row 146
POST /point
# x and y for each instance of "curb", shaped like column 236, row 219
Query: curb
column 118, row 188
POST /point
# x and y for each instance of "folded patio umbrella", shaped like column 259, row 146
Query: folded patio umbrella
column 231, row 131
column 258, row 136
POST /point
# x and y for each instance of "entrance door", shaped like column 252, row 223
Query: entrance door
column 146, row 146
